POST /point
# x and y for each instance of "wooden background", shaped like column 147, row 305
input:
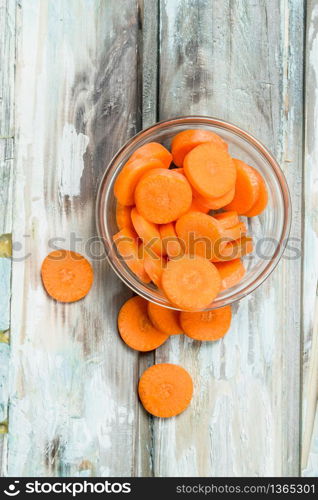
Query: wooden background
column 78, row 78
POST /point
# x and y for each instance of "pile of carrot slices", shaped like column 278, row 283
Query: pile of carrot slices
column 178, row 215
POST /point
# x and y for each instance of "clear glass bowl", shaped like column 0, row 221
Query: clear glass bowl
column 270, row 230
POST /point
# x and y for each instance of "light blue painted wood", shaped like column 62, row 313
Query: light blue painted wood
column 5, row 282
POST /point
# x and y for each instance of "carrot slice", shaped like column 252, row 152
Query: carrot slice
column 234, row 249
column 165, row 390
column 207, row 325
column 67, row 276
column 187, row 140
column 215, row 203
column 191, row 283
column 162, row 196
column 231, row 272
column 147, row 231
column 166, row 320
column 227, row 219
column 170, row 240
column 127, row 246
column 236, row 232
column 246, row 188
column 154, row 266
column 197, row 206
column 128, row 177
column 123, row 216
column 153, row 150
column 262, row 199
column 200, row 233
column 135, row 327
column 210, row 170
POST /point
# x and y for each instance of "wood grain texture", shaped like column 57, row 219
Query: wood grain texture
column 244, row 420
column 73, row 404
column 310, row 267
column 7, row 58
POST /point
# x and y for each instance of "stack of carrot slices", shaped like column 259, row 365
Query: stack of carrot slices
column 169, row 233
column 165, row 389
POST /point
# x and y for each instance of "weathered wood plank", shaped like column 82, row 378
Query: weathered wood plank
column 240, row 61
column 73, row 399
column 310, row 263
column 7, row 58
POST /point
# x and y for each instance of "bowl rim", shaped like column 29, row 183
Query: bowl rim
column 201, row 120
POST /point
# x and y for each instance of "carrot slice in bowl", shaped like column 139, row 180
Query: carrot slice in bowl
column 207, row 325
column 67, row 276
column 231, row 272
column 165, row 390
column 162, row 196
column 127, row 246
column 227, row 219
column 236, row 232
column 148, row 232
column 187, row 140
column 214, row 203
column 135, row 327
column 123, row 216
column 153, row 150
column 246, row 188
column 154, row 266
column 234, row 249
column 170, row 240
column 166, row 320
column 261, row 202
column 128, row 177
column 210, row 170
column 191, row 283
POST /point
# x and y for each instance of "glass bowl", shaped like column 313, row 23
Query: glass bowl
column 270, row 230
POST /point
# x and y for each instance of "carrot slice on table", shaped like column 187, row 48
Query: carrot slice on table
column 67, row 276
column 187, row 140
column 135, row 327
column 154, row 266
column 236, row 232
column 123, row 216
column 166, row 320
column 215, row 203
column 262, row 199
column 246, row 188
column 162, row 196
column 170, row 240
column 153, row 150
column 234, row 249
column 128, row 177
column 127, row 246
column 165, row 390
column 231, row 272
column 227, row 219
column 210, row 170
column 207, row 325
column 148, row 232
column 191, row 283
column 200, row 233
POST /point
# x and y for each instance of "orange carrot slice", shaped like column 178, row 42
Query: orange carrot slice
column 135, row 327
column 214, row 203
column 165, row 390
column 67, row 276
column 200, row 233
column 187, row 140
column 191, row 283
column 227, row 219
column 262, row 199
column 127, row 246
column 154, row 266
column 166, row 320
column 246, row 188
column 231, row 272
column 162, row 196
column 148, row 232
column 123, row 216
column 236, row 232
column 210, row 170
column 197, row 206
column 153, row 150
column 207, row 325
column 170, row 240
column 234, row 249
column 128, row 177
